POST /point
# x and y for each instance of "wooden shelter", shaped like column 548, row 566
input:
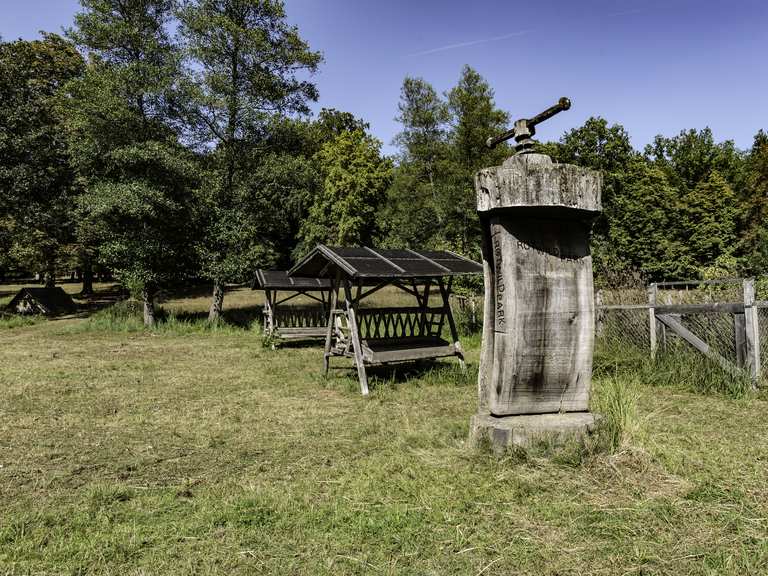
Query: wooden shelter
column 47, row 301
column 293, row 322
column 379, row 335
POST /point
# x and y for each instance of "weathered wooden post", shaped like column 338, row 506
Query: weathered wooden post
column 752, row 331
column 539, row 319
column 653, row 291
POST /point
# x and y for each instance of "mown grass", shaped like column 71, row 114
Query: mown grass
column 187, row 450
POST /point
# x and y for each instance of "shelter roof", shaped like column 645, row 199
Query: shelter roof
column 380, row 264
column 49, row 301
column 279, row 280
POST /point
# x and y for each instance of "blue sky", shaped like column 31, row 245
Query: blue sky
column 654, row 66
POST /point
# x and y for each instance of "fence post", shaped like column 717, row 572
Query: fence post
column 599, row 313
column 752, row 352
column 652, row 292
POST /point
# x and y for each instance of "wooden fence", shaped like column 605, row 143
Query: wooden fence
column 726, row 332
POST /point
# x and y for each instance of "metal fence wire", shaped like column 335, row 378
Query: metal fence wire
column 622, row 318
column 618, row 329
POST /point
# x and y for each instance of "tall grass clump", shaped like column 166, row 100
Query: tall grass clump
column 122, row 316
column 127, row 316
column 19, row 320
column 679, row 366
column 615, row 398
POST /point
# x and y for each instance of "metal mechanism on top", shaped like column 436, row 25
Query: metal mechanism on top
column 525, row 128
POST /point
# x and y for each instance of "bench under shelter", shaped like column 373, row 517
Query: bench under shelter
column 375, row 334
column 293, row 321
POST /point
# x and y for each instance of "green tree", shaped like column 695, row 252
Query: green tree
column 355, row 179
column 643, row 225
column 753, row 245
column 120, row 125
column 691, row 156
column 37, row 203
column 710, row 213
column 474, row 117
column 243, row 65
column 412, row 213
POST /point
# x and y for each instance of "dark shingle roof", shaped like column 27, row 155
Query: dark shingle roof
column 372, row 263
column 279, row 280
column 48, row 301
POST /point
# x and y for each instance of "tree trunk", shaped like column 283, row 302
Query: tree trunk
column 50, row 275
column 148, row 298
column 217, row 302
column 87, row 277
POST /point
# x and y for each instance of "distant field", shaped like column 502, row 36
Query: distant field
column 187, row 450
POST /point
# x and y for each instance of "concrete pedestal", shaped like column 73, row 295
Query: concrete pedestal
column 530, row 429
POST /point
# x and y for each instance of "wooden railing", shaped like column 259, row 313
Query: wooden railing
column 412, row 322
column 300, row 317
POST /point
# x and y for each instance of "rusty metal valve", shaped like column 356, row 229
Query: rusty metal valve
column 525, row 128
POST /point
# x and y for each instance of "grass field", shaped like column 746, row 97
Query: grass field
column 186, row 450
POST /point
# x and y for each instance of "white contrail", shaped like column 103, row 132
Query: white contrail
column 506, row 36
column 471, row 43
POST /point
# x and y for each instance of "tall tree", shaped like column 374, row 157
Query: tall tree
column 754, row 201
column 606, row 148
column 710, row 214
column 37, row 203
column 244, row 64
column 121, row 131
column 474, row 117
column 424, row 117
column 355, row 179
column 644, row 224
column 691, row 156
column 413, row 213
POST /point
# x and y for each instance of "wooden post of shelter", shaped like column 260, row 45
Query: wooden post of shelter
column 752, row 331
column 350, row 306
column 652, row 294
column 444, row 292
column 332, row 312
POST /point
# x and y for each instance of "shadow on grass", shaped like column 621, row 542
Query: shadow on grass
column 427, row 372
column 244, row 317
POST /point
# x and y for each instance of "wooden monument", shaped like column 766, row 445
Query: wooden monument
column 538, row 331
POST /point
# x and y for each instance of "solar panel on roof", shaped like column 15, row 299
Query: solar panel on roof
column 372, row 263
column 279, row 280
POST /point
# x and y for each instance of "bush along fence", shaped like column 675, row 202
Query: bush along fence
column 722, row 320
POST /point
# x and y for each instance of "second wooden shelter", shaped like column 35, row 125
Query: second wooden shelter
column 296, row 321
column 379, row 335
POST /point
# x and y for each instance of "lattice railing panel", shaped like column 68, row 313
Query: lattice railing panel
column 301, row 317
column 400, row 322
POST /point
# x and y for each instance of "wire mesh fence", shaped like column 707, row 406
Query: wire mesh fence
column 623, row 321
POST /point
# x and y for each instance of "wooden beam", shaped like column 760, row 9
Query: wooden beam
column 331, row 321
column 445, row 292
column 355, row 337
column 373, row 290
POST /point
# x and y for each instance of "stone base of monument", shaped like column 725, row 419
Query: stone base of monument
column 529, row 430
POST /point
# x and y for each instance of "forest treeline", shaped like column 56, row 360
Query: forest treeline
column 169, row 140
